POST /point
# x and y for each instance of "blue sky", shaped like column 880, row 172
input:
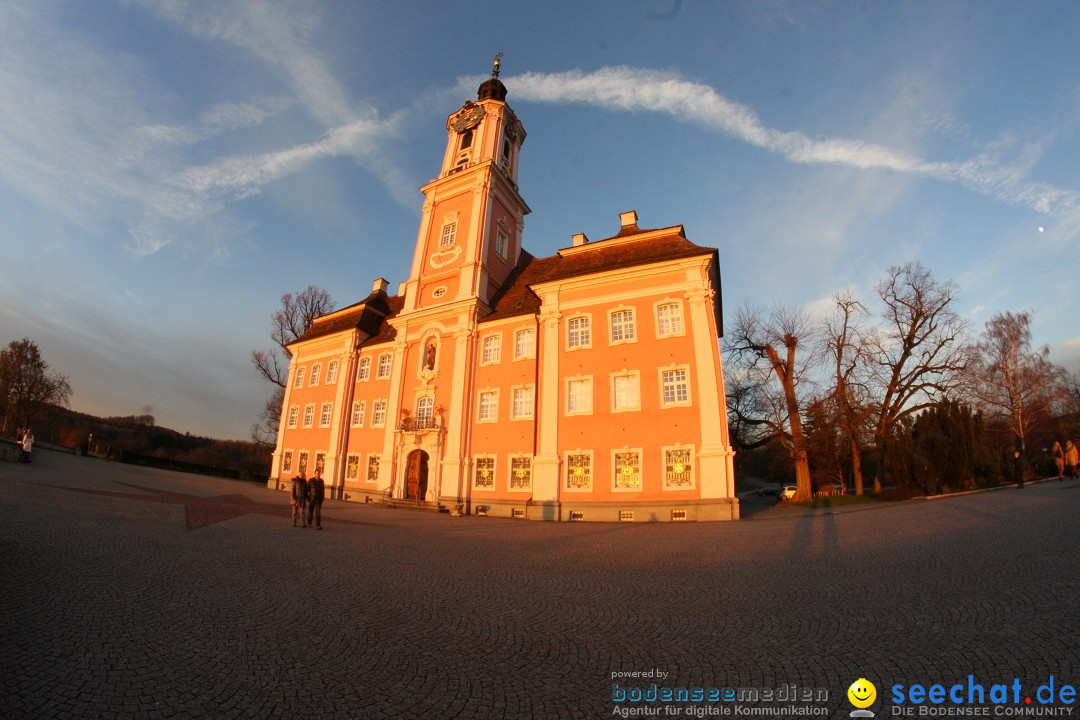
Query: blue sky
column 169, row 169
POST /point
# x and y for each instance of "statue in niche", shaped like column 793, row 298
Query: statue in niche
column 429, row 355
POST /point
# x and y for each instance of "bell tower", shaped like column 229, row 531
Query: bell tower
column 473, row 216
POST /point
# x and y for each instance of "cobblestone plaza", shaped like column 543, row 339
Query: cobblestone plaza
column 136, row 593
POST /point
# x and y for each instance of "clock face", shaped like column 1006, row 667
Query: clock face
column 468, row 119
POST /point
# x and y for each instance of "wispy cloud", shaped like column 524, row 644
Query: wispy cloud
column 636, row 89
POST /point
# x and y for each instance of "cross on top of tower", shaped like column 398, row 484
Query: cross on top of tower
column 497, row 65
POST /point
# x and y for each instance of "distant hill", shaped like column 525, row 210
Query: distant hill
column 139, row 436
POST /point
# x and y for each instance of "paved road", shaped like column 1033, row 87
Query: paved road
column 136, row 593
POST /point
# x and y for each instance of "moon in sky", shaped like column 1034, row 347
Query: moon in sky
column 1042, row 229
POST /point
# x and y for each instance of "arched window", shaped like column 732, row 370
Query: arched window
column 466, row 140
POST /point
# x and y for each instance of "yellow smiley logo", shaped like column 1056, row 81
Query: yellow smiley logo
column 862, row 693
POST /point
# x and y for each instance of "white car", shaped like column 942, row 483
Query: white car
column 787, row 492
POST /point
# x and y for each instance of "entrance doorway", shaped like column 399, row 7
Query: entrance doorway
column 416, row 475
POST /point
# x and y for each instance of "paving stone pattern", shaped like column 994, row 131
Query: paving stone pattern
column 130, row 592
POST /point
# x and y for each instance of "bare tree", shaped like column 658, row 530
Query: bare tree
column 1011, row 381
column 919, row 355
column 295, row 318
column 26, row 385
column 846, row 349
column 764, row 390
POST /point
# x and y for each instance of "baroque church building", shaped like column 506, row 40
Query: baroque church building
column 582, row 386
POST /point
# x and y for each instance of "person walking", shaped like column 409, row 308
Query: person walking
column 299, row 498
column 1018, row 469
column 27, row 445
column 316, row 495
column 1072, row 456
column 1059, row 459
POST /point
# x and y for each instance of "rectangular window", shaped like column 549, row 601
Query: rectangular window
column 500, row 244
column 524, row 344
column 579, row 396
column 622, row 326
column 378, row 414
column 320, row 462
column 300, row 373
column 489, row 406
column 309, row 415
column 358, row 409
column 678, row 469
column 579, row 472
column 676, row 390
column 384, row 366
column 352, row 467
column 669, row 320
column 326, row 414
column 521, row 473
column 485, row 473
column 373, row 468
column 425, row 413
column 286, row 461
column 578, row 334
column 625, row 394
column 294, row 414
column 492, row 350
column 523, row 403
column 449, row 235
column 331, row 373
column 316, row 372
column 365, row 369
column 302, row 465
column 628, row 470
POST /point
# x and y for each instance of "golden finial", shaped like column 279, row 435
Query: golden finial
column 497, row 65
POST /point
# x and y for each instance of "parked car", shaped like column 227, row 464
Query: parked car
column 787, row 492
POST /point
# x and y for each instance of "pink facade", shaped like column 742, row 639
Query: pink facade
column 582, row 386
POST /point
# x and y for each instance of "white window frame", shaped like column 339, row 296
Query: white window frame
column 316, row 374
column 309, row 415
column 301, row 373
column 367, row 467
column 688, row 401
column 577, row 342
column 570, row 381
column 359, row 409
column 491, row 349
column 378, row 413
column 616, row 471
column 448, row 235
column 501, row 243
column 286, row 461
column 363, row 373
column 350, row 467
column 489, row 462
column 331, row 373
column 510, row 472
column 302, row 461
column 425, row 408
column 680, row 331
column 528, row 351
column 294, row 415
column 385, row 368
column 567, row 455
column 626, row 327
column 481, row 409
column 527, row 394
column 635, row 375
column 326, row 414
column 663, row 467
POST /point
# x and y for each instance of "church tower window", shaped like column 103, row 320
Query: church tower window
column 449, row 235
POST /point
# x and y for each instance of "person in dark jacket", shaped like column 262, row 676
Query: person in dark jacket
column 316, row 495
column 1018, row 469
column 299, row 498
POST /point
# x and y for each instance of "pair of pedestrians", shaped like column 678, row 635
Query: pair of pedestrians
column 307, row 499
